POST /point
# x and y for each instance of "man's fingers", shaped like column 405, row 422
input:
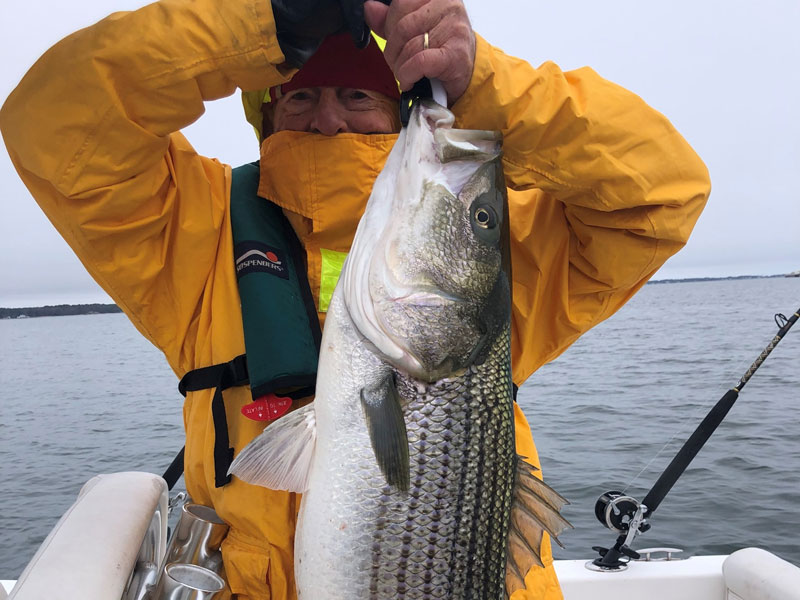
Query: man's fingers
column 449, row 57
column 430, row 64
column 450, row 54
column 375, row 15
column 445, row 34
column 406, row 21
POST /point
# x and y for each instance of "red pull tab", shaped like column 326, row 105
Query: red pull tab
column 267, row 408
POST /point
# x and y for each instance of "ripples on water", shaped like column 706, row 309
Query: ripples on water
column 604, row 409
column 81, row 395
column 87, row 394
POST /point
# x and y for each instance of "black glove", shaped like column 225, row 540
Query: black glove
column 303, row 24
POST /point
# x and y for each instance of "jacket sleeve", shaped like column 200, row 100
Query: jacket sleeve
column 602, row 191
column 91, row 131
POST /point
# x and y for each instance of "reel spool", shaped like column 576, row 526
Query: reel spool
column 615, row 511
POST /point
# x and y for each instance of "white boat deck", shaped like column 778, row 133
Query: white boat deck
column 697, row 578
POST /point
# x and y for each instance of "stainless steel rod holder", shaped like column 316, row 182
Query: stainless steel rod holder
column 197, row 538
column 187, row 582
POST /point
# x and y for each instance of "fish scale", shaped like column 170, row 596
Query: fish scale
column 465, row 422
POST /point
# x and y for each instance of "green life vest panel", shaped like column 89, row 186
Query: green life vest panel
column 281, row 329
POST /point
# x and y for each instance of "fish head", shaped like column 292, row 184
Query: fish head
column 427, row 279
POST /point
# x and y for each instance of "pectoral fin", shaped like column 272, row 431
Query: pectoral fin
column 387, row 431
column 280, row 458
column 535, row 509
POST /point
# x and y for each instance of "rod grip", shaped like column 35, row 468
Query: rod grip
column 689, row 450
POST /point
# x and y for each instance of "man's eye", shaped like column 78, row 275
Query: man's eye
column 357, row 95
column 300, row 97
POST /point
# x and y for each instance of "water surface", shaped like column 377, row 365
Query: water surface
column 87, row 394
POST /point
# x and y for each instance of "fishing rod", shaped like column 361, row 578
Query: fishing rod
column 627, row 516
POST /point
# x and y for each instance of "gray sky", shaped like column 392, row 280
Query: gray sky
column 726, row 74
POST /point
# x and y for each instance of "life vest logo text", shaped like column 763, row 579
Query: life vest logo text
column 255, row 257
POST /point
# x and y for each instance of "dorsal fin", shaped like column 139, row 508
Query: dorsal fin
column 535, row 509
column 280, row 457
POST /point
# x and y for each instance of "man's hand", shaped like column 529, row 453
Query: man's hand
column 303, row 24
column 450, row 55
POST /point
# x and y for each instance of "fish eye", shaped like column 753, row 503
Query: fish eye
column 485, row 217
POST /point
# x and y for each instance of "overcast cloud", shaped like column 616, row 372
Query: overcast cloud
column 725, row 73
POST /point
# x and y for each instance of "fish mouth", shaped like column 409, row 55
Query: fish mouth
column 427, row 298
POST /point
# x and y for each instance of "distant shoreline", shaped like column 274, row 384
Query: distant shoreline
column 735, row 277
column 60, row 310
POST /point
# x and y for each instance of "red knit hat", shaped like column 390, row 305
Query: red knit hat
column 339, row 63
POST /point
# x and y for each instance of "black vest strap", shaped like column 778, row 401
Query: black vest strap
column 227, row 374
column 220, row 377
column 174, row 470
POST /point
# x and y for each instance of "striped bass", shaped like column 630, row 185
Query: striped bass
column 412, row 485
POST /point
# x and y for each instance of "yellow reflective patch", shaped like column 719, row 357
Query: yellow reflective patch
column 332, row 263
column 379, row 40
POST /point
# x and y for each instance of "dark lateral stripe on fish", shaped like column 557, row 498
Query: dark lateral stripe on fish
column 494, row 525
column 458, row 576
column 502, row 493
column 484, row 522
column 455, row 576
column 486, row 527
column 476, row 551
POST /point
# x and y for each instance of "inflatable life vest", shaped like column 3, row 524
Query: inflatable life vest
column 282, row 333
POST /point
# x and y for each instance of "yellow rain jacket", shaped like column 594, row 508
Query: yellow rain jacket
column 602, row 190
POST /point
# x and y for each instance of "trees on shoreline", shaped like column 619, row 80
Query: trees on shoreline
column 58, row 310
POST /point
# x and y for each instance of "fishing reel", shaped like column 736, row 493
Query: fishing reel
column 625, row 516
column 616, row 511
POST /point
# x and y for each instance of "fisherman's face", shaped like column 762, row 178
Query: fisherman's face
column 332, row 110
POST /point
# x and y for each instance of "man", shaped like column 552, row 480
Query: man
column 602, row 191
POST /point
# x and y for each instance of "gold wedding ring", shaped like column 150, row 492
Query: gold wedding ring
column 425, row 41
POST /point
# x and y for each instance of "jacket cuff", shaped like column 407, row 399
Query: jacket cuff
column 471, row 108
column 275, row 71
